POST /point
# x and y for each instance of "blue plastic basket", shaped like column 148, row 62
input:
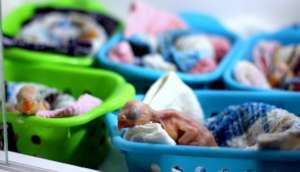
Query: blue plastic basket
column 293, row 27
column 141, row 156
column 142, row 78
column 286, row 36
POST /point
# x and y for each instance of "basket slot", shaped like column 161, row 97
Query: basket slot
column 36, row 139
column 102, row 140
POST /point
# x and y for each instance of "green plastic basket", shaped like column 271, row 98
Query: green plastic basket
column 12, row 24
column 80, row 140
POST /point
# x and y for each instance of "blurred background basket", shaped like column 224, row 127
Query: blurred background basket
column 142, row 78
column 14, row 21
column 290, row 35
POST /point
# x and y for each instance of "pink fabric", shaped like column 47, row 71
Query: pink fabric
column 204, row 66
column 263, row 53
column 221, row 46
column 84, row 104
column 122, row 53
column 145, row 19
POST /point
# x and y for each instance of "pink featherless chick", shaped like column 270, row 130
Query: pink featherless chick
column 182, row 128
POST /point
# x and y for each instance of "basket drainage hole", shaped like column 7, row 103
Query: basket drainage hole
column 102, row 139
column 93, row 131
column 36, row 139
column 103, row 125
column 176, row 169
column 200, row 169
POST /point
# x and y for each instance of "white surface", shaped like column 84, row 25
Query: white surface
column 115, row 162
column 243, row 17
column 43, row 163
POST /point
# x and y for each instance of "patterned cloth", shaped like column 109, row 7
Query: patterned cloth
column 243, row 125
column 235, row 121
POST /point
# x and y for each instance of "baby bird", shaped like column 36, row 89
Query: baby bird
column 182, row 128
column 29, row 101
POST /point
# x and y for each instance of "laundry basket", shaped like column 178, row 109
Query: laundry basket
column 144, row 156
column 285, row 36
column 14, row 21
column 142, row 78
column 80, row 140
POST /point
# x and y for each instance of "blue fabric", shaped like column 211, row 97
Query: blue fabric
column 166, row 41
column 184, row 60
column 10, row 87
column 235, row 120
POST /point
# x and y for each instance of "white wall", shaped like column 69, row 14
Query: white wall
column 242, row 16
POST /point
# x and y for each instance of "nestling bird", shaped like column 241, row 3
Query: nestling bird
column 182, row 128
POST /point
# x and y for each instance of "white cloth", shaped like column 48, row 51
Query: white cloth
column 197, row 42
column 248, row 74
column 149, row 133
column 155, row 61
column 170, row 92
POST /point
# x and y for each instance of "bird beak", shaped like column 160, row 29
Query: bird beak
column 121, row 121
column 120, row 125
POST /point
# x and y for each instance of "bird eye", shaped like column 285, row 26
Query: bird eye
column 122, row 117
column 133, row 114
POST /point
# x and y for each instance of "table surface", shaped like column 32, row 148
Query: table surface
column 24, row 163
column 115, row 162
